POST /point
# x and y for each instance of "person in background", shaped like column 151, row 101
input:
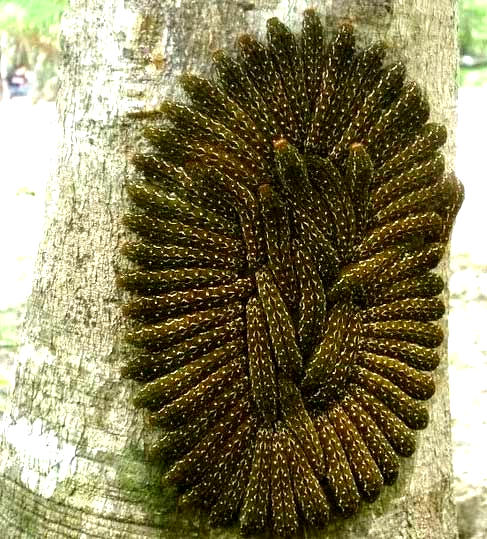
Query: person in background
column 18, row 82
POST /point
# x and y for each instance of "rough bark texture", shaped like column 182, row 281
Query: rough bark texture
column 71, row 444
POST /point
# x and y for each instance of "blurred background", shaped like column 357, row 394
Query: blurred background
column 29, row 57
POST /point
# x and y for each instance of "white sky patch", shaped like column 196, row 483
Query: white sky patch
column 44, row 460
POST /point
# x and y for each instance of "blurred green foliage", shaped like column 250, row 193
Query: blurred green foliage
column 30, row 32
column 472, row 31
column 40, row 17
column 472, row 37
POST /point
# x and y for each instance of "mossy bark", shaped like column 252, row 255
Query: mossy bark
column 71, row 445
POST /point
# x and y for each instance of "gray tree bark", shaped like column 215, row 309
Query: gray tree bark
column 71, row 444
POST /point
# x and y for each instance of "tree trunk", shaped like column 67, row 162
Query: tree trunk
column 71, row 445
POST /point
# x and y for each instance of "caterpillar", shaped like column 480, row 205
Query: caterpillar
column 283, row 310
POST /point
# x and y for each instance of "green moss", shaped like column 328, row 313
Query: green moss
column 140, row 482
column 65, row 489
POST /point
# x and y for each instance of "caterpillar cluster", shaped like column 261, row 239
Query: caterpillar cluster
column 283, row 309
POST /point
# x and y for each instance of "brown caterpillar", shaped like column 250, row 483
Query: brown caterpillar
column 283, row 309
